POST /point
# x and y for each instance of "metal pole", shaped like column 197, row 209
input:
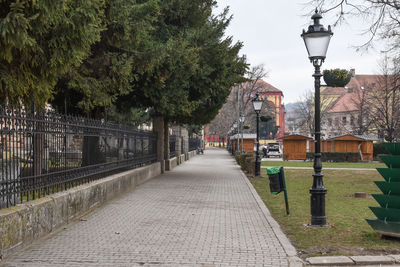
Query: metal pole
column 285, row 191
column 242, row 137
column 318, row 191
column 258, row 160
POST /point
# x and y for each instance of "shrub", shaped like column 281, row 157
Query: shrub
column 237, row 157
column 379, row 149
column 336, row 156
column 249, row 165
column 337, row 77
column 246, row 161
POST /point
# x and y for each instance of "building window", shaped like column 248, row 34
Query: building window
column 336, row 121
column 329, row 121
column 352, row 120
column 344, row 120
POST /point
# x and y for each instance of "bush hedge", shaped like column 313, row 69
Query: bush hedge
column 336, row 156
column 246, row 161
column 379, row 149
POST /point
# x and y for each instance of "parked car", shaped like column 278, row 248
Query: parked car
column 274, row 150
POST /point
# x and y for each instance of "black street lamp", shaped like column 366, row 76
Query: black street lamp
column 257, row 105
column 317, row 40
column 241, row 120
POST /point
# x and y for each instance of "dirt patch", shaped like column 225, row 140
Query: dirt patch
column 353, row 196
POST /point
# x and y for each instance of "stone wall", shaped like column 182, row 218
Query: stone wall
column 22, row 224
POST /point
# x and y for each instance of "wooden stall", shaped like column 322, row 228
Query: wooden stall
column 295, row 146
column 248, row 142
column 354, row 143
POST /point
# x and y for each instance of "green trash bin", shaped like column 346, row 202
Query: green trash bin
column 277, row 184
column 275, row 180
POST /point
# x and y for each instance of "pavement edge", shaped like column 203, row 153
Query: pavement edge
column 290, row 250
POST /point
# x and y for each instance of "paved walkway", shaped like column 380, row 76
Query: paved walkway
column 203, row 213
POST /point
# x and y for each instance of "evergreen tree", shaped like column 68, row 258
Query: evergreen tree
column 116, row 61
column 196, row 66
column 40, row 41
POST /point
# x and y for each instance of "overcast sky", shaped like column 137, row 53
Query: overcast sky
column 270, row 31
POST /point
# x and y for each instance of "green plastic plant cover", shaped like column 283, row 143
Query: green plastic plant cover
column 391, row 161
column 389, row 188
column 388, row 214
column 385, row 228
column 390, row 175
column 273, row 170
column 387, row 201
column 392, row 148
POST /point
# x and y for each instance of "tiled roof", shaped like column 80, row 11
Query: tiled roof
column 333, row 90
column 347, row 102
column 367, row 81
column 245, row 136
column 367, row 137
column 292, row 135
column 364, row 137
column 264, row 87
column 351, row 97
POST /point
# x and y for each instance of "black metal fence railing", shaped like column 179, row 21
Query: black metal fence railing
column 43, row 152
column 172, row 146
column 194, row 143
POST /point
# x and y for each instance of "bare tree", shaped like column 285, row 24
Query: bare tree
column 384, row 101
column 305, row 111
column 224, row 120
column 238, row 101
column 246, row 90
column 360, row 118
column 381, row 16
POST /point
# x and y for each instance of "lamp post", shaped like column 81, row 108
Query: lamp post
column 257, row 105
column 316, row 39
column 235, row 126
column 232, row 146
column 241, row 120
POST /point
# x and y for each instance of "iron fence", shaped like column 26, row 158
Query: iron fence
column 172, row 146
column 43, row 152
column 194, row 143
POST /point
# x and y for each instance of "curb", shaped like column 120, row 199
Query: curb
column 289, row 249
column 388, row 260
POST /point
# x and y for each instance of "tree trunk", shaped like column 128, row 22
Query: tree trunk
column 166, row 140
column 158, row 127
column 91, row 153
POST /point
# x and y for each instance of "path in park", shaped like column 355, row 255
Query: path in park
column 203, row 213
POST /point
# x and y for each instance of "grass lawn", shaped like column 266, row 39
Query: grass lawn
column 361, row 165
column 348, row 232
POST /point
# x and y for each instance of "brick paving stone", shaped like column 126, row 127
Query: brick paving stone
column 202, row 213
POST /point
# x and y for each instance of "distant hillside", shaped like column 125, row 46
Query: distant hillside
column 290, row 107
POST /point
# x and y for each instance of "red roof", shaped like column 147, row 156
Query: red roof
column 263, row 87
column 333, row 91
column 363, row 80
column 267, row 88
column 351, row 95
column 348, row 102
